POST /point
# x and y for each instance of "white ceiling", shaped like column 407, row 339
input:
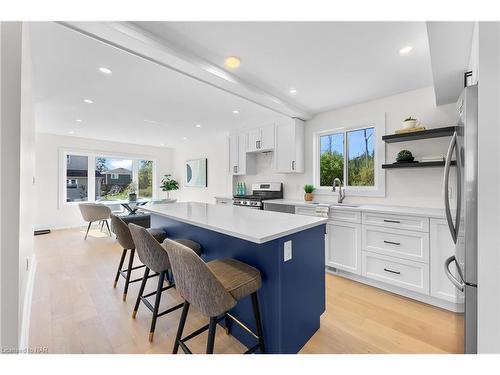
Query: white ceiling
column 331, row 64
column 140, row 102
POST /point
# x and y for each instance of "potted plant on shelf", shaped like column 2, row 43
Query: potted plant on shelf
column 409, row 123
column 404, row 156
column 168, row 184
column 308, row 189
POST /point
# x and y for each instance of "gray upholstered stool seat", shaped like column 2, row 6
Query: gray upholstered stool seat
column 193, row 245
column 155, row 258
column 158, row 234
column 238, row 278
column 124, row 238
column 214, row 288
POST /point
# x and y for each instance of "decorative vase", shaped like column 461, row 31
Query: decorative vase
column 168, row 194
column 132, row 197
column 308, row 197
column 409, row 124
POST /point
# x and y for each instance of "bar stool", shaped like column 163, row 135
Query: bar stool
column 155, row 258
column 213, row 288
column 120, row 229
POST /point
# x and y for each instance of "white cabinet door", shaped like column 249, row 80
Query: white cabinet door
column 289, row 147
column 442, row 247
column 254, row 140
column 266, row 138
column 233, row 153
column 344, row 246
column 242, row 154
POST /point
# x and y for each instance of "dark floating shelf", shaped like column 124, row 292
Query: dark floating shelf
column 424, row 134
column 424, row 164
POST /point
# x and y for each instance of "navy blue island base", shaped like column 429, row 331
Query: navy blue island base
column 292, row 297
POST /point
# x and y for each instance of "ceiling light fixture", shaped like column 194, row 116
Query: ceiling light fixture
column 236, row 112
column 162, row 144
column 185, row 138
column 88, row 101
column 232, row 62
column 198, row 125
column 78, row 120
column 292, row 91
column 405, row 50
column 71, row 132
column 104, row 70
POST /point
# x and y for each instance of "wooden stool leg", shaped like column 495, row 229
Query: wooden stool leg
column 157, row 305
column 211, row 335
column 120, row 267
column 180, row 328
column 258, row 321
column 141, row 292
column 129, row 271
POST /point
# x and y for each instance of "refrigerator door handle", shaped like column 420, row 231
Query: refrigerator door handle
column 453, row 229
column 460, row 285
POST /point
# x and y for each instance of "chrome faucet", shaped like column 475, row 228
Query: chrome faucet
column 338, row 182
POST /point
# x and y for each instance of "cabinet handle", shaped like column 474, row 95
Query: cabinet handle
column 392, row 221
column 256, row 144
column 391, row 271
column 392, row 243
column 293, row 165
column 235, row 169
column 260, row 146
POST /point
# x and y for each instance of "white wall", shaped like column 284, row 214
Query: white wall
column 488, row 189
column 415, row 187
column 219, row 180
column 49, row 212
column 27, row 190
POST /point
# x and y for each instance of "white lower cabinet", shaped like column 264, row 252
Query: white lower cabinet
column 442, row 247
column 344, row 246
column 395, row 271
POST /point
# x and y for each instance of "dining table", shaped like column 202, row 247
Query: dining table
column 132, row 206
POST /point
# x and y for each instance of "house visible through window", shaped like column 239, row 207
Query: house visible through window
column 111, row 178
column 348, row 155
column 77, row 178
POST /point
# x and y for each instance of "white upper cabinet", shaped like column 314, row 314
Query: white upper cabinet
column 289, row 147
column 261, row 139
column 238, row 161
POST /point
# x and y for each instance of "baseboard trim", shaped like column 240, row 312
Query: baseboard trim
column 446, row 305
column 28, row 298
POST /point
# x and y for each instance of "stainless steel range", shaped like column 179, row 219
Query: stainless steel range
column 260, row 192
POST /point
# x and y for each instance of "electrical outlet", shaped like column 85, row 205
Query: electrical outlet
column 287, row 251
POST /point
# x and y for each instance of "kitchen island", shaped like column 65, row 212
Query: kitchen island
column 289, row 251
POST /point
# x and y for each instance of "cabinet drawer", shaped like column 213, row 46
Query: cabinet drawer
column 345, row 215
column 418, row 223
column 399, row 272
column 399, row 243
column 309, row 211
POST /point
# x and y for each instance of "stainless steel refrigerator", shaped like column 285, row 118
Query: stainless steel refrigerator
column 462, row 219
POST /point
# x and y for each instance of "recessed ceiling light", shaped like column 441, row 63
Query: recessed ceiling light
column 71, row 132
column 405, row 50
column 88, row 101
column 78, row 120
column 236, row 112
column 232, row 62
column 162, row 144
column 292, row 91
column 198, row 125
column 185, row 138
column 104, row 70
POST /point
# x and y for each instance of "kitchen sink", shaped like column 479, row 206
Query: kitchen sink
column 344, row 205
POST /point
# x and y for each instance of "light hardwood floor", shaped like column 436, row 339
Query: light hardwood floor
column 76, row 310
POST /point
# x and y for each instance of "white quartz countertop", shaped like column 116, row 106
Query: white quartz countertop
column 252, row 225
column 388, row 209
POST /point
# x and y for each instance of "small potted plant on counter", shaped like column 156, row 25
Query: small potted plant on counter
column 308, row 189
column 168, row 184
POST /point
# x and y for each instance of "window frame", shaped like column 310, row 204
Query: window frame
column 376, row 122
column 92, row 155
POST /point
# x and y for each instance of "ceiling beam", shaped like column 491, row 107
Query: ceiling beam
column 139, row 42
